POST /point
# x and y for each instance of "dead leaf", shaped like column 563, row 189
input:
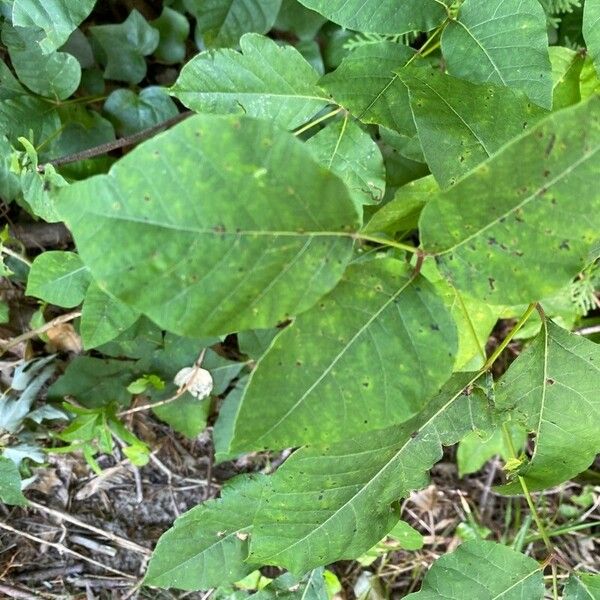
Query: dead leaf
column 64, row 338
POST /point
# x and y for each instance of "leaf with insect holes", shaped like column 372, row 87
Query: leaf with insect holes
column 552, row 388
column 269, row 232
column 482, row 570
column 492, row 249
column 369, row 354
column 335, row 501
column 461, row 124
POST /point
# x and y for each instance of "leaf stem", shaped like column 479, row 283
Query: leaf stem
column 386, row 242
column 500, row 349
column 15, row 255
column 102, row 149
column 318, row 120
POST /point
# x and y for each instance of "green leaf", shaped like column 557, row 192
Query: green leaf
column 4, row 312
column 402, row 212
column 174, row 29
column 348, row 151
column 493, row 250
column 28, row 116
column 58, row 18
column 369, row 354
column 208, row 238
column 475, row 450
column 591, row 30
column 366, row 85
column 552, row 388
column 56, row 75
column 566, row 71
column 256, row 342
column 333, row 502
column 406, row 536
column 208, row 546
column 95, row 382
column 502, row 42
column 266, row 80
column 382, row 16
column 9, row 181
column 483, row 570
column 103, row 317
column 125, row 45
column 10, row 483
column 299, row 20
column 461, row 124
column 223, row 22
column 589, row 79
column 130, row 112
column 582, row 586
column 288, row 587
column 187, row 415
column 224, row 427
column 58, row 278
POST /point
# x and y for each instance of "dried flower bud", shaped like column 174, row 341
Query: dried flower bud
column 198, row 382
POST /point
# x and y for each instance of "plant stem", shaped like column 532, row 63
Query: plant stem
column 385, row 242
column 4, row 346
column 563, row 531
column 500, row 349
column 16, row 255
column 534, row 513
column 318, row 120
column 130, row 140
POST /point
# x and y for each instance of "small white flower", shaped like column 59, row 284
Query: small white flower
column 198, row 382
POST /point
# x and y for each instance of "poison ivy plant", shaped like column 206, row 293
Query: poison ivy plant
column 357, row 193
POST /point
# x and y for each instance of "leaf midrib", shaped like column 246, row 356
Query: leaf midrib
column 525, row 201
column 382, row 470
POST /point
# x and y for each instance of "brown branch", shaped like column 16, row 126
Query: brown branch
column 8, row 344
column 120, row 541
column 123, row 142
